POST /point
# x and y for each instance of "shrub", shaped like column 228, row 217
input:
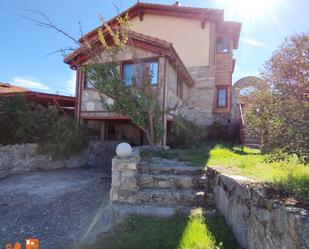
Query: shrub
column 26, row 122
column 63, row 136
column 184, row 133
column 18, row 123
column 279, row 110
column 218, row 132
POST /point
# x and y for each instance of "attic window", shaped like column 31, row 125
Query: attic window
column 222, row 44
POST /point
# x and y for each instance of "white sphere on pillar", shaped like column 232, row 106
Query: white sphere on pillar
column 123, row 150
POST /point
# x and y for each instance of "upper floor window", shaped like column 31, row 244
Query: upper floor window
column 222, row 97
column 222, row 44
column 138, row 72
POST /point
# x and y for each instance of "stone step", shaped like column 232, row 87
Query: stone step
column 149, row 210
column 253, row 146
column 248, row 136
column 170, row 197
column 251, row 141
column 171, row 181
column 147, row 167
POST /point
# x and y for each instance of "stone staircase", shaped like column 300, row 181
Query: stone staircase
column 247, row 138
column 168, row 184
column 251, row 141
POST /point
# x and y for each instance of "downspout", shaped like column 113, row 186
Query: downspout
column 81, row 83
column 77, row 96
column 164, row 103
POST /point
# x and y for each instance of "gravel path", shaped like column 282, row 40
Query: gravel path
column 57, row 207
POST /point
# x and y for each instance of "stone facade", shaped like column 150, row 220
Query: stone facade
column 202, row 95
column 257, row 220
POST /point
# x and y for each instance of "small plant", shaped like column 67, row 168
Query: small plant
column 295, row 183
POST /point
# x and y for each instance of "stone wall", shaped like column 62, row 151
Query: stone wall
column 201, row 96
column 257, row 220
column 124, row 178
column 21, row 158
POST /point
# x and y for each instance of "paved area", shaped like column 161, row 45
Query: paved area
column 57, row 207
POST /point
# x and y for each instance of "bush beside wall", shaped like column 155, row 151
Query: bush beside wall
column 26, row 122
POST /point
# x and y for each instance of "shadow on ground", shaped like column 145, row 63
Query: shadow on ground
column 177, row 232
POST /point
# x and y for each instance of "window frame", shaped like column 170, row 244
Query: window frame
column 228, row 44
column 139, row 62
column 218, row 88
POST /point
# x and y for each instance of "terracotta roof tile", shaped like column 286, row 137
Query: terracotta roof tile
column 8, row 88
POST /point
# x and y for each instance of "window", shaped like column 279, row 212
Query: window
column 179, row 89
column 88, row 83
column 222, row 97
column 222, row 44
column 137, row 72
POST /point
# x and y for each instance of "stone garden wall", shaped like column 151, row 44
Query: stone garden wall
column 257, row 220
column 17, row 159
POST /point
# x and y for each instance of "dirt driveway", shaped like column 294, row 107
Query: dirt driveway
column 57, row 207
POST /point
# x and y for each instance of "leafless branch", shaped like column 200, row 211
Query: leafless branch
column 45, row 22
column 63, row 51
column 117, row 6
column 80, row 29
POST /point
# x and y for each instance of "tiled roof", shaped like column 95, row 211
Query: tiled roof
column 163, row 9
column 136, row 39
column 132, row 34
column 8, row 88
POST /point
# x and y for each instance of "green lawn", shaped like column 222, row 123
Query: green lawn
column 177, row 232
column 289, row 175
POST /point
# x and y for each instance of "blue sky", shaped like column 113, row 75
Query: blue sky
column 23, row 45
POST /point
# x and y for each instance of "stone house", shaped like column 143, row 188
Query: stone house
column 190, row 51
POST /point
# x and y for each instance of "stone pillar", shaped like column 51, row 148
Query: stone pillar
column 124, row 178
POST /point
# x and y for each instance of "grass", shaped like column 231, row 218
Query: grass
column 289, row 175
column 178, row 232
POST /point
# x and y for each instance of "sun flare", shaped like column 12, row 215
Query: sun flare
column 249, row 10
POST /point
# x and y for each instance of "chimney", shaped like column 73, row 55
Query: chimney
column 177, row 3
